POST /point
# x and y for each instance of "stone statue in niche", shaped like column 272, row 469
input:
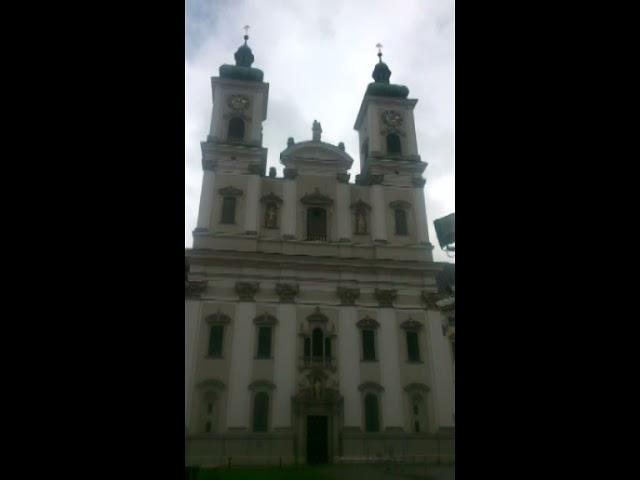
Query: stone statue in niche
column 317, row 388
column 271, row 216
column 361, row 223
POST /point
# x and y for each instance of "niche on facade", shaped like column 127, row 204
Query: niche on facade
column 361, row 214
column 270, row 210
column 417, row 398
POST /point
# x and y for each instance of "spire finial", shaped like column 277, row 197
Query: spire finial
column 379, row 47
column 246, row 34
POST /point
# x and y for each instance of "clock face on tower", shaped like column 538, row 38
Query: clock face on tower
column 392, row 118
column 238, row 103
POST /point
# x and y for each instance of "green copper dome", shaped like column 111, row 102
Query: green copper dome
column 381, row 87
column 242, row 70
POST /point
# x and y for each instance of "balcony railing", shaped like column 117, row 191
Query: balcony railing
column 330, row 363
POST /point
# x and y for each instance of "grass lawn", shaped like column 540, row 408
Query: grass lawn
column 248, row 473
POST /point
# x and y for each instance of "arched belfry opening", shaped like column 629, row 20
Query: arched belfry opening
column 394, row 146
column 236, row 129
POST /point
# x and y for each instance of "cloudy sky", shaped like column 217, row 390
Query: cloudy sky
column 318, row 56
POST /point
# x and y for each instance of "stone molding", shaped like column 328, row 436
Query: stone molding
column 400, row 204
column 375, row 179
column 194, row 288
column 218, row 318
column 417, row 387
column 367, row 323
column 287, row 292
column 343, row 177
column 371, row 386
column 262, row 384
column 211, row 383
column 316, row 198
column 360, row 205
column 317, row 317
column 290, row 173
column 348, row 296
column 419, row 182
column 247, row 290
column 411, row 325
column 271, row 198
column 230, row 191
column 385, row 297
column 265, row 319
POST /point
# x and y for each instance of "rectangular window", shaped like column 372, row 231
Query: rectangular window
column 327, row 348
column 368, row 345
column 264, row 342
column 209, row 408
column 228, row 210
column 215, row 341
column 207, row 427
column 413, row 347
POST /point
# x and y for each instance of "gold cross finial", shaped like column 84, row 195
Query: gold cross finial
column 379, row 47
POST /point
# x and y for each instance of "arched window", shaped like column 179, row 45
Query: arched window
column 419, row 414
column 393, row 144
column 316, row 342
column 209, row 412
column 371, row 413
column 307, row 347
column 228, row 210
column 400, row 215
column 316, row 224
column 260, row 412
column 236, row 129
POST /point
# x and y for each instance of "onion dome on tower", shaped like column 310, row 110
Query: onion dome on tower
column 381, row 87
column 242, row 70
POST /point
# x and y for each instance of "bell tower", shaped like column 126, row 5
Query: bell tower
column 386, row 130
column 233, row 150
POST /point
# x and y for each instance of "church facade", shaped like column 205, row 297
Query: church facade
column 314, row 330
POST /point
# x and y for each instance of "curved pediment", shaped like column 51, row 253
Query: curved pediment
column 306, row 156
column 211, row 384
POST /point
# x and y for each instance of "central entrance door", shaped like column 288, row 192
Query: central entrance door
column 317, row 439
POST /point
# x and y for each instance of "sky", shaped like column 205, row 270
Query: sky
column 318, row 56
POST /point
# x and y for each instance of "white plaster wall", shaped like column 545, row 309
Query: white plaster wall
column 289, row 189
column 252, row 206
column 238, row 411
column 378, row 213
column 392, row 411
column 441, row 371
column 344, row 211
column 422, row 234
column 348, row 365
column 285, row 364
column 191, row 329
column 206, row 200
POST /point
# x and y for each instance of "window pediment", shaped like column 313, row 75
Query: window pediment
column 411, row 325
column 316, row 199
column 367, row 323
column 230, row 191
column 400, row 204
column 211, row 384
column 371, row 386
column 417, row 387
column 218, row 318
column 265, row 319
column 262, row 384
column 317, row 317
column 271, row 198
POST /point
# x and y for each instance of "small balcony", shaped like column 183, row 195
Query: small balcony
column 329, row 363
